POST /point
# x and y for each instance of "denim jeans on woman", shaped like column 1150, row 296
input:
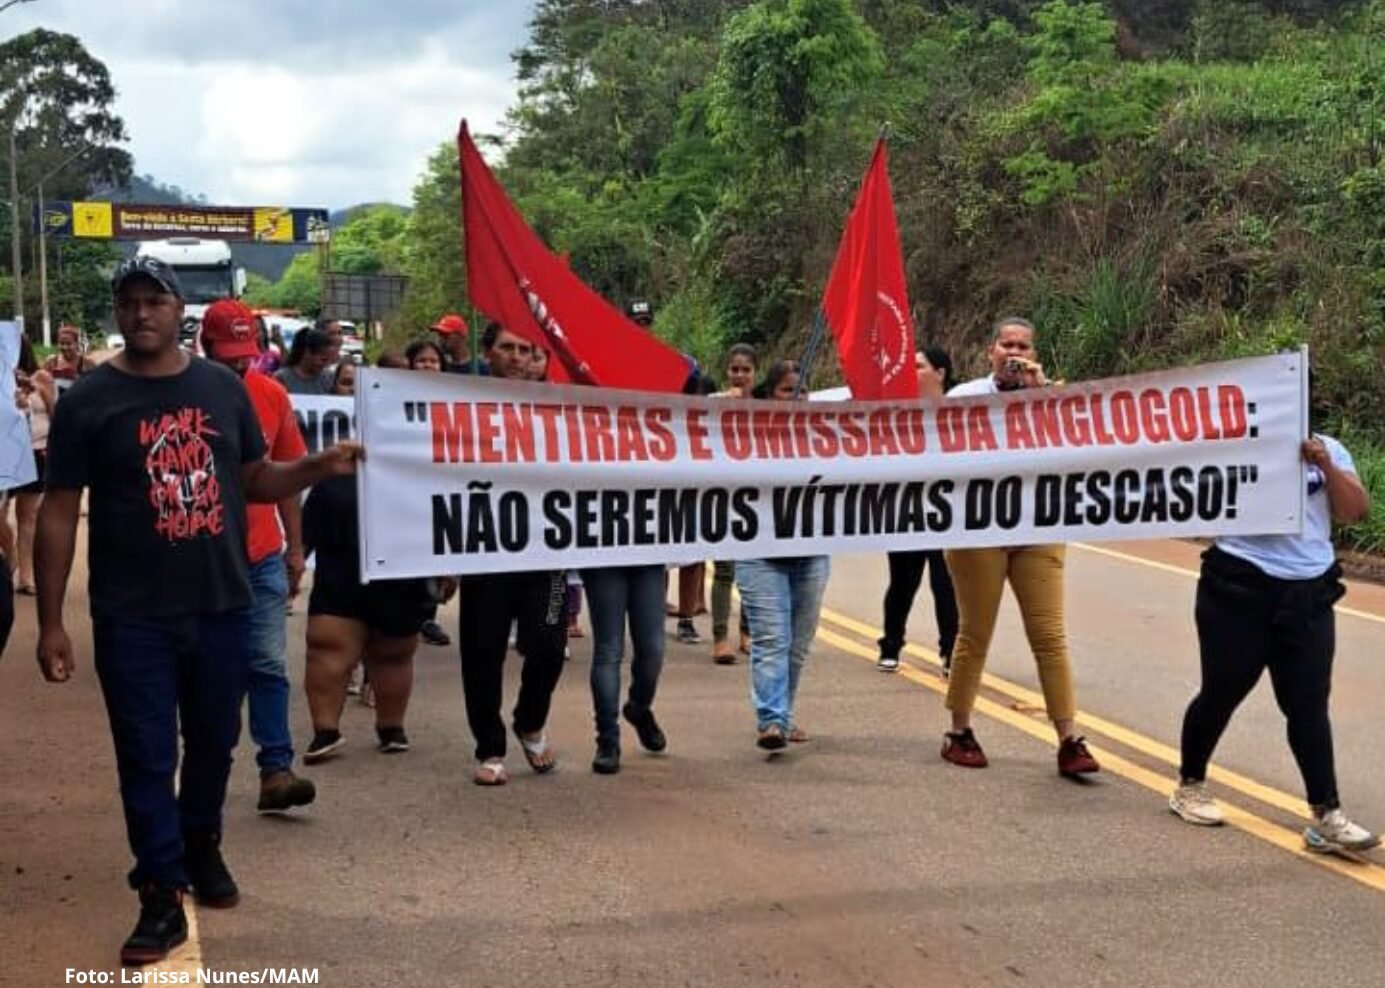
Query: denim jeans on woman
column 613, row 593
column 781, row 599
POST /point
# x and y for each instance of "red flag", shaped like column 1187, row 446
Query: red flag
column 867, row 301
column 516, row 281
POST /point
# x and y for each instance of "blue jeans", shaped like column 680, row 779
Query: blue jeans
column 611, row 595
column 268, row 685
column 158, row 675
column 781, row 599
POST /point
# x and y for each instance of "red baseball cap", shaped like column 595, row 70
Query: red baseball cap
column 451, row 323
column 228, row 331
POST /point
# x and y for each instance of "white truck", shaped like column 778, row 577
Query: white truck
column 204, row 270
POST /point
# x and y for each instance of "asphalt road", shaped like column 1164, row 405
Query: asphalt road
column 858, row 859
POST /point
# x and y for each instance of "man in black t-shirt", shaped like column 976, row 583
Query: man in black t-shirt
column 170, row 449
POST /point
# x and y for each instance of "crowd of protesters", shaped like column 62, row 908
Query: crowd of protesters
column 193, row 568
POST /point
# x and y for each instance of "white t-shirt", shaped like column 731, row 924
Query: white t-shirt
column 1298, row 557
column 981, row 386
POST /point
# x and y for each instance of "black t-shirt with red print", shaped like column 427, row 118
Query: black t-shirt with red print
column 162, row 457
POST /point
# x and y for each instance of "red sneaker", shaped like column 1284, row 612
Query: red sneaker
column 1074, row 759
column 962, row 748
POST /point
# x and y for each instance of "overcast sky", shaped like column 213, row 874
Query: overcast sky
column 294, row 102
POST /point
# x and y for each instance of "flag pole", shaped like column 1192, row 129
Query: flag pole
column 810, row 352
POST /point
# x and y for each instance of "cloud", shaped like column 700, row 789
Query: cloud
column 297, row 102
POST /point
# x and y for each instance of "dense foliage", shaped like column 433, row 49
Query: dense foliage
column 1153, row 183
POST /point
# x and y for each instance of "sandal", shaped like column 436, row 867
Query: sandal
column 491, row 773
column 745, row 644
column 798, row 735
column 723, row 654
column 27, row 589
column 538, row 752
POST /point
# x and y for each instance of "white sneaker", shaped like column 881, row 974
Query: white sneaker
column 1334, row 832
column 1192, row 802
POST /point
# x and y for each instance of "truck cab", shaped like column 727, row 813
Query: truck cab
column 205, row 271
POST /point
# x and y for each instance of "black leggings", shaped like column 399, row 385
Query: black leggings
column 489, row 604
column 906, row 573
column 1247, row 622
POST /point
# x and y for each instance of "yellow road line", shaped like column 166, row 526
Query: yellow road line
column 1098, row 725
column 1126, row 557
column 1370, row 875
column 186, row 959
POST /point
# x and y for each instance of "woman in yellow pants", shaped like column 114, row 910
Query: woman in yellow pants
column 1035, row 574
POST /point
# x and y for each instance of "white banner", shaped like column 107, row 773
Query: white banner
column 472, row 474
column 324, row 420
column 16, row 445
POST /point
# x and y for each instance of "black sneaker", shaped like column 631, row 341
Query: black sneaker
column 212, row 883
column 651, row 736
column 162, row 925
column 432, row 634
column 607, row 760
column 282, row 790
column 323, row 745
column 887, row 663
column 392, row 740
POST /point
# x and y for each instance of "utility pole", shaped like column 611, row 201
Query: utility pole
column 43, row 240
column 43, row 269
column 16, row 253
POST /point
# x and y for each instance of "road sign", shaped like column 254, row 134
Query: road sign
column 133, row 221
column 363, row 297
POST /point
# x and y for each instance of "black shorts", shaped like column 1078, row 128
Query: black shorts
column 40, row 468
column 393, row 608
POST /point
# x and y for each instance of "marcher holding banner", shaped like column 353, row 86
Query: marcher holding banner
column 782, row 599
column 489, row 604
column 1035, row 574
column 740, row 380
column 933, row 368
column 613, row 593
column 1266, row 602
column 348, row 620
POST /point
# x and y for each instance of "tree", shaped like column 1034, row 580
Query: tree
column 431, row 252
column 55, row 100
column 79, row 284
column 785, row 65
column 300, row 288
column 370, row 241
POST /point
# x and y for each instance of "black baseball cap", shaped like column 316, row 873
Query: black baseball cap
column 149, row 267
